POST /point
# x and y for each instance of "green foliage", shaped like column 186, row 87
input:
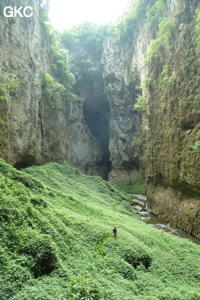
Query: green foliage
column 136, row 141
column 87, row 35
column 65, row 249
column 155, row 15
column 146, row 83
column 40, row 250
column 58, row 56
column 133, row 184
column 80, row 288
column 167, row 79
column 52, row 91
column 129, row 21
column 9, row 85
column 141, row 104
column 136, row 188
column 197, row 28
column 196, row 146
column 60, row 63
column 166, row 28
column 153, row 51
column 136, row 260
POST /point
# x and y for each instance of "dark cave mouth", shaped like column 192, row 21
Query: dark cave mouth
column 97, row 118
column 25, row 162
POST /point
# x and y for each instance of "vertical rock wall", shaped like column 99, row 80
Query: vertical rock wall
column 170, row 123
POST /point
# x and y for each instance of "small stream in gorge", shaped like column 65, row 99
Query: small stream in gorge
column 139, row 203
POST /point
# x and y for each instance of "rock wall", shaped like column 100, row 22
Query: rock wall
column 26, row 124
column 166, row 58
column 121, row 88
column 21, row 53
column 36, row 127
column 107, row 88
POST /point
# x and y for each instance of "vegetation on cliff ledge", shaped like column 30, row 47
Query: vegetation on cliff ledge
column 56, row 242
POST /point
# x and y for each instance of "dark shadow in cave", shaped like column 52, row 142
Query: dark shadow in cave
column 97, row 114
column 25, row 162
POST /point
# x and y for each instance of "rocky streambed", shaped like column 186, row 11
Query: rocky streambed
column 140, row 205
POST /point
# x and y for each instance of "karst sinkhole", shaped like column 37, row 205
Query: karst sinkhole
column 97, row 115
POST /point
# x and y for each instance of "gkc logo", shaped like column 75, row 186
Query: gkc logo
column 14, row 12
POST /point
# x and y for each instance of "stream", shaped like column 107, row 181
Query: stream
column 139, row 203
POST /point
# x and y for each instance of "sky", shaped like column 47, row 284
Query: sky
column 66, row 13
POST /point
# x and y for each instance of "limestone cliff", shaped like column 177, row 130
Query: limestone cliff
column 107, row 88
column 165, row 61
column 27, row 119
column 39, row 122
column 171, row 142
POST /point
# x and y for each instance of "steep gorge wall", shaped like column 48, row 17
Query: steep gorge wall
column 38, row 121
column 165, row 57
column 171, row 152
column 24, row 53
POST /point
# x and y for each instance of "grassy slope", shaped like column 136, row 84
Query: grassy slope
column 56, row 242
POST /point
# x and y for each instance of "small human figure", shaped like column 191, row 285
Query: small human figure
column 115, row 232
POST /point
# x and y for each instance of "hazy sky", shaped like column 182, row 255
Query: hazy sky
column 66, row 13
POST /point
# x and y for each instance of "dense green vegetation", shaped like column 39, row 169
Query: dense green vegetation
column 141, row 104
column 58, row 82
column 88, row 36
column 150, row 11
column 9, row 84
column 56, row 242
column 131, row 187
column 52, row 91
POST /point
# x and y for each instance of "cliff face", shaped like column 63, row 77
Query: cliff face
column 171, row 151
column 21, row 53
column 166, row 58
column 107, row 87
column 35, row 111
column 26, row 118
column 122, row 85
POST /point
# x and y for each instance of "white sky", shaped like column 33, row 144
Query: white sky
column 66, row 13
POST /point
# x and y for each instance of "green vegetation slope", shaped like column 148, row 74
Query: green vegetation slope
column 56, row 242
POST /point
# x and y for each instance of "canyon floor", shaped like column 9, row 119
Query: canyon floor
column 57, row 242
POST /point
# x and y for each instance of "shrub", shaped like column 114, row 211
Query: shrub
column 155, row 14
column 136, row 260
column 153, row 51
column 127, row 271
column 167, row 79
column 62, row 79
column 141, row 104
column 165, row 29
column 146, row 84
column 12, row 280
column 81, row 288
column 9, row 84
column 52, row 91
column 41, row 250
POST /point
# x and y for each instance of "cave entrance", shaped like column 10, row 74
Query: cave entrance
column 97, row 115
column 25, row 162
